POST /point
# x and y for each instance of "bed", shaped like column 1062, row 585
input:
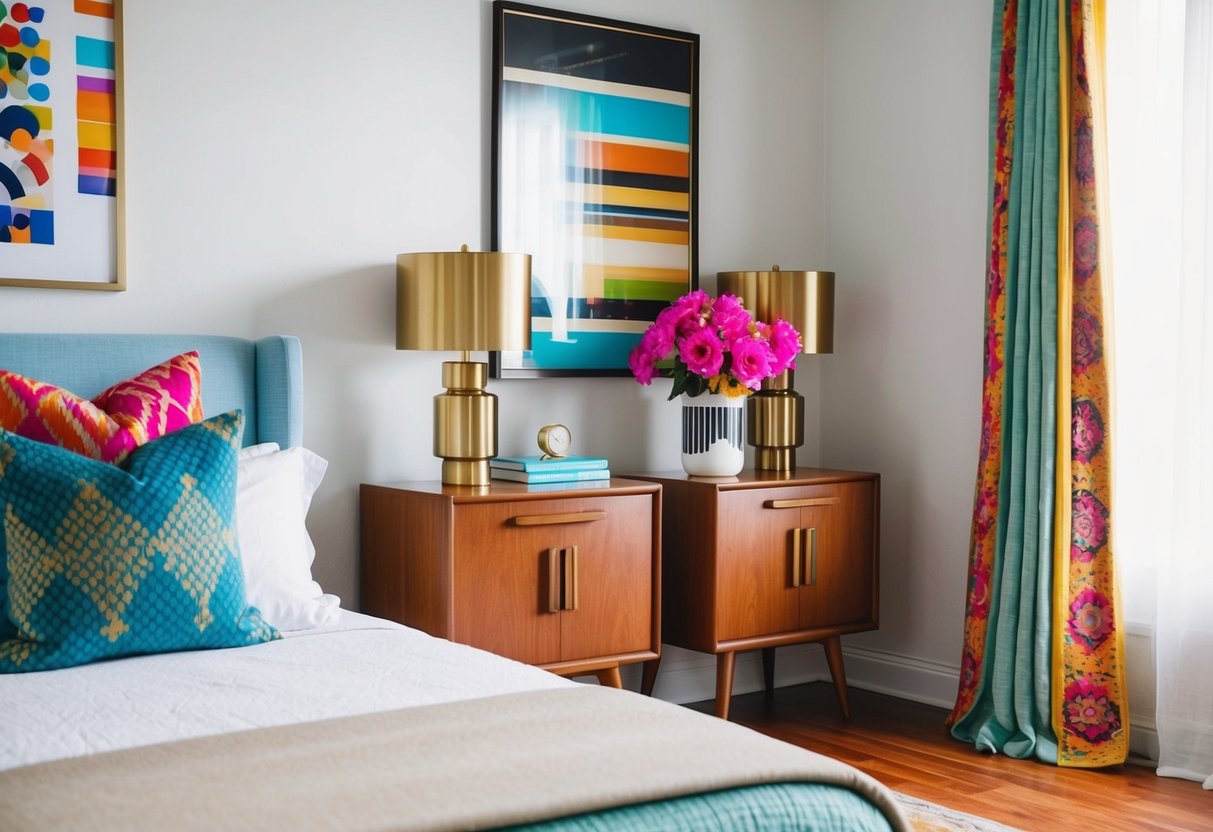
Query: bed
column 345, row 721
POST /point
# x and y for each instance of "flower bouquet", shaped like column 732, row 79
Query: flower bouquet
column 716, row 345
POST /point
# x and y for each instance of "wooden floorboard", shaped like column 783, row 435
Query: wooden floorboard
column 906, row 746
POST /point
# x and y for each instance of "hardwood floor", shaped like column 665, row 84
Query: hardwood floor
column 906, row 746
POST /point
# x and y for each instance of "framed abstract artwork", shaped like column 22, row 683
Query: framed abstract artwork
column 61, row 200
column 594, row 175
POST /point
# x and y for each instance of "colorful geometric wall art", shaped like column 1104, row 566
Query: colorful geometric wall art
column 26, row 150
column 58, row 185
column 95, row 111
column 594, row 136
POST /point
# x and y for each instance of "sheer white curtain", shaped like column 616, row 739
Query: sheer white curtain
column 1160, row 100
column 1185, row 628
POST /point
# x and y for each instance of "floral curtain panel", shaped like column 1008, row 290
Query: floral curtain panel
column 1042, row 673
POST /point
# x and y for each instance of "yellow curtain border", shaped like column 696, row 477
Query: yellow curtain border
column 1095, row 37
column 1065, row 301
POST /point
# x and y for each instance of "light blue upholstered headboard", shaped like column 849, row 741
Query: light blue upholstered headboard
column 264, row 378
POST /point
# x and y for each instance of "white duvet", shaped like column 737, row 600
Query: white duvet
column 359, row 665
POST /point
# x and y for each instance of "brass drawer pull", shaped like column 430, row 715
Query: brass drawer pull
column 802, row 502
column 812, row 556
column 570, row 578
column 804, row 562
column 557, row 519
column 796, row 577
column 562, row 579
column 554, row 569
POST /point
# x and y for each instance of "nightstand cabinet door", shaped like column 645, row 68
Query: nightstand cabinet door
column 754, row 591
column 612, row 573
column 500, row 571
column 797, row 558
column 545, row 581
column 837, row 545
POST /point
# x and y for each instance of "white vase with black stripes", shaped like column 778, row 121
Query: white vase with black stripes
column 713, row 434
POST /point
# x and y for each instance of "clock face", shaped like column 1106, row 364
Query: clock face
column 555, row 439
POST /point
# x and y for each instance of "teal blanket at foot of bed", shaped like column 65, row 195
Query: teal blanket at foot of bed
column 775, row 807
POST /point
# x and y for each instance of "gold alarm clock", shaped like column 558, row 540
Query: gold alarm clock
column 555, row 440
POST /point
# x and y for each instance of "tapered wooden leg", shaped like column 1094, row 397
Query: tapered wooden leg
column 609, row 677
column 649, row 677
column 833, row 648
column 724, row 682
column 768, row 669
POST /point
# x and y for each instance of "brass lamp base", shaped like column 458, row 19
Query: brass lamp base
column 465, row 472
column 775, row 424
column 465, row 423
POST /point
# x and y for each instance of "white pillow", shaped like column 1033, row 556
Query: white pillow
column 258, row 450
column 274, row 492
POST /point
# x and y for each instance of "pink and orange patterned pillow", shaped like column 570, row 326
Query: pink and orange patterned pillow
column 159, row 400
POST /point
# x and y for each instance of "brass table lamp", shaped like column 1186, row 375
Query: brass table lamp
column 775, row 414
column 464, row 300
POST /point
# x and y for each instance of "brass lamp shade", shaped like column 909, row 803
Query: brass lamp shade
column 464, row 300
column 805, row 299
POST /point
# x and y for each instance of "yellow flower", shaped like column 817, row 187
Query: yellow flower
column 729, row 386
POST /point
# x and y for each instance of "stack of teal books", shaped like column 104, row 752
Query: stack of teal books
column 537, row 469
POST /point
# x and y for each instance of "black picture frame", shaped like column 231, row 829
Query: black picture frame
column 595, row 175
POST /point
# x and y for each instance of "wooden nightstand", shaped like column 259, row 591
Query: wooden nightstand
column 568, row 579
column 763, row 560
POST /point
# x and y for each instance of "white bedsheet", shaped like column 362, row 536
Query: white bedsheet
column 359, row 665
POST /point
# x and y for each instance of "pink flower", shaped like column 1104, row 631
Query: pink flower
column 689, row 312
column 1084, row 152
column 993, row 352
column 655, row 345
column 1086, row 249
column 987, row 427
column 785, row 344
column 641, row 362
column 968, row 669
column 731, row 318
column 979, row 599
column 1091, row 619
column 702, row 352
column 1087, row 339
column 716, row 344
column 1088, row 712
column 985, row 511
column 658, row 339
column 1086, row 430
column 1089, row 526
column 751, row 361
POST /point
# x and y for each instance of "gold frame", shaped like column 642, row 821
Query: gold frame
column 118, row 284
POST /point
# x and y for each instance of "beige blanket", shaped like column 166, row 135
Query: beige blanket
column 473, row 764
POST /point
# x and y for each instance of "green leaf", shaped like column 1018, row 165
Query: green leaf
column 680, row 380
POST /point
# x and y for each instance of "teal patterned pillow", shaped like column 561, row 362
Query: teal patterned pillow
column 106, row 560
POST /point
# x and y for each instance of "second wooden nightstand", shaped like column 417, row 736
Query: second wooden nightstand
column 568, row 579
column 765, row 560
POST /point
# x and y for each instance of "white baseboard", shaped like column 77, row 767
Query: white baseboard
column 1143, row 742
column 906, row 677
column 687, row 676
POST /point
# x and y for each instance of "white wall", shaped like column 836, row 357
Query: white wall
column 905, row 224
column 281, row 153
column 906, row 111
